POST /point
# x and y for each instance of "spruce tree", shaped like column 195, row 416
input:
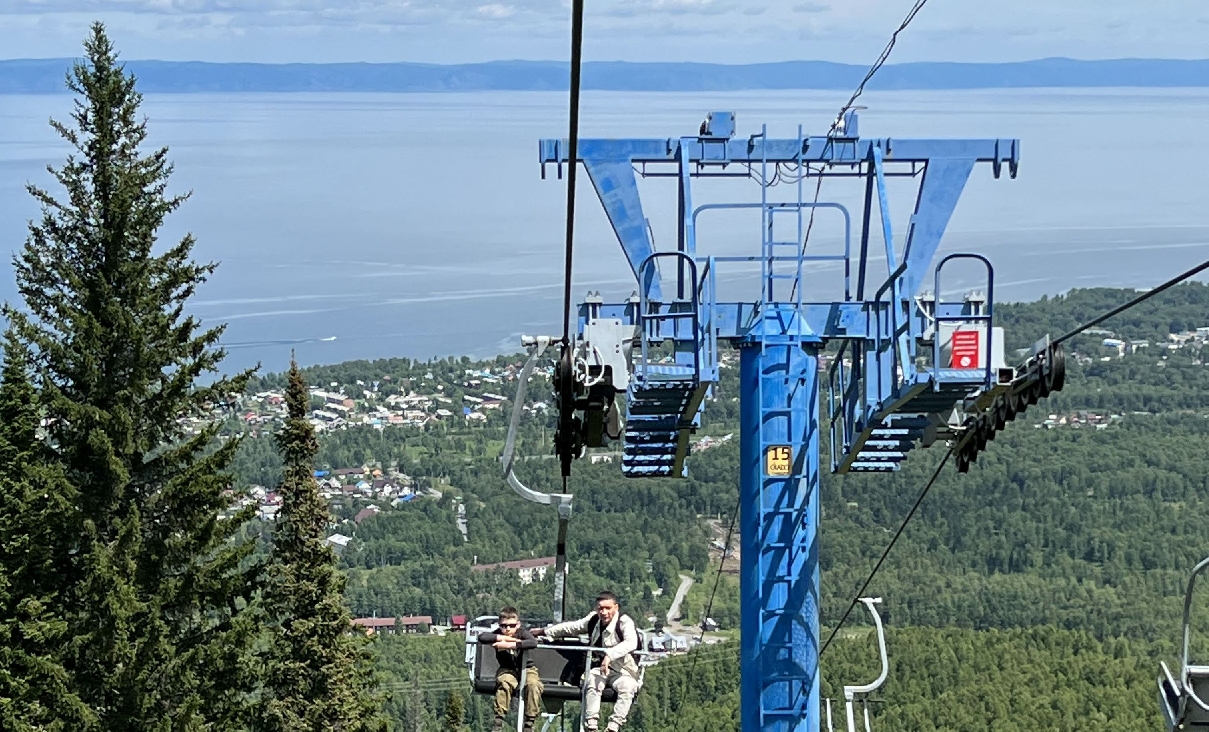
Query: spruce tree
column 157, row 591
column 35, row 511
column 455, row 712
column 318, row 671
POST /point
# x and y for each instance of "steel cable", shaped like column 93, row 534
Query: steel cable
column 1136, row 301
column 957, row 445
column 709, row 607
column 839, row 118
column 577, row 32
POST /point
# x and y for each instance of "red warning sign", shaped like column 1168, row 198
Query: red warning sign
column 965, row 351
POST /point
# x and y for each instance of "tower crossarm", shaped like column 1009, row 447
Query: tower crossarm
column 614, row 166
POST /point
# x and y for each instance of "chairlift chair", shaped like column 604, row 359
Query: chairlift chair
column 861, row 692
column 562, row 668
column 1183, row 700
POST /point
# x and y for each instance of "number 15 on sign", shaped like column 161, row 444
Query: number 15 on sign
column 778, row 460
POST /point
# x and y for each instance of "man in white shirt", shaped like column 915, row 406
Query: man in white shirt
column 615, row 633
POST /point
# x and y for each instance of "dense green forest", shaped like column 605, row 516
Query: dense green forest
column 941, row 680
column 1056, row 565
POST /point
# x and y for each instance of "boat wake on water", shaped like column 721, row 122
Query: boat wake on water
column 285, row 342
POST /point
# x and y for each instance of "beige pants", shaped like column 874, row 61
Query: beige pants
column 626, row 687
column 505, row 686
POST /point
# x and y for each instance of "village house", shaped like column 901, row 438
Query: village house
column 338, row 542
column 527, row 570
column 390, row 626
column 367, row 512
column 376, row 625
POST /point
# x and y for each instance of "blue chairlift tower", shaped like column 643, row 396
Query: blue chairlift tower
column 906, row 367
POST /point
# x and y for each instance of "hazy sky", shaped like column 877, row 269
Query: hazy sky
column 731, row 31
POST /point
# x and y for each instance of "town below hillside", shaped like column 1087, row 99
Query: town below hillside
column 455, row 401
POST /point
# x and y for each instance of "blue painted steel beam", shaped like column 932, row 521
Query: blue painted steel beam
column 943, row 182
column 736, row 321
column 947, row 167
column 811, row 149
column 779, row 570
column 617, row 189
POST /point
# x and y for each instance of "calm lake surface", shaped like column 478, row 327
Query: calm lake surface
column 418, row 224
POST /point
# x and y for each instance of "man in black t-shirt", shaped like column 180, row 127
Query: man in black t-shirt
column 509, row 640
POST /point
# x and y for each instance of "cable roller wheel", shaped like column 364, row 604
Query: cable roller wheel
column 963, row 462
column 981, row 434
column 1033, row 393
column 1016, row 404
column 1000, row 408
column 1058, row 358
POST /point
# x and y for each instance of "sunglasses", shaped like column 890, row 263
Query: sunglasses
column 510, row 625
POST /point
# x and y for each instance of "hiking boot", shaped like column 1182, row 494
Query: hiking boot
column 498, row 726
column 613, row 727
column 529, row 724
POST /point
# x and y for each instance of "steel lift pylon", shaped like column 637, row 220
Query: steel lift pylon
column 910, row 368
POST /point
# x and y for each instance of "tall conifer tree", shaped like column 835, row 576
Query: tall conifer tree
column 35, row 511
column 158, row 590
column 319, row 673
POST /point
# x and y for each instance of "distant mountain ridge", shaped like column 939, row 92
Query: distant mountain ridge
column 43, row 76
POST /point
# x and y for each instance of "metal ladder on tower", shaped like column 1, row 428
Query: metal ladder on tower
column 664, row 401
column 783, row 544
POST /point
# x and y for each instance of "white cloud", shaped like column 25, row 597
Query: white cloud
column 712, row 30
column 495, row 10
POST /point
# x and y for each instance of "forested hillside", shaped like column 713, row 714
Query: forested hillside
column 1056, row 565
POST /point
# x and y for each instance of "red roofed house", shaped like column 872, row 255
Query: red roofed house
column 366, row 512
column 527, row 570
column 457, row 623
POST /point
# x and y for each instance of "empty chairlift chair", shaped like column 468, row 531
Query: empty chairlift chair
column 1184, row 700
column 561, row 666
column 855, row 693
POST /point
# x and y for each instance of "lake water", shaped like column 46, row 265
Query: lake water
column 418, row 225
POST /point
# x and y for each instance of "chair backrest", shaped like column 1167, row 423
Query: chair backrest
column 554, row 667
column 1197, row 681
column 558, row 668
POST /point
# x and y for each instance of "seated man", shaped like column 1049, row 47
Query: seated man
column 509, row 639
column 614, row 666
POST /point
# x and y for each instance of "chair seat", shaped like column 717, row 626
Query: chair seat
column 551, row 689
column 553, row 666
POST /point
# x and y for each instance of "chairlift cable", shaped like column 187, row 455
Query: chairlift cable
column 577, row 28
column 1136, row 301
column 730, row 530
column 566, row 387
column 889, row 547
column 956, row 446
column 877, row 65
column 839, row 118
